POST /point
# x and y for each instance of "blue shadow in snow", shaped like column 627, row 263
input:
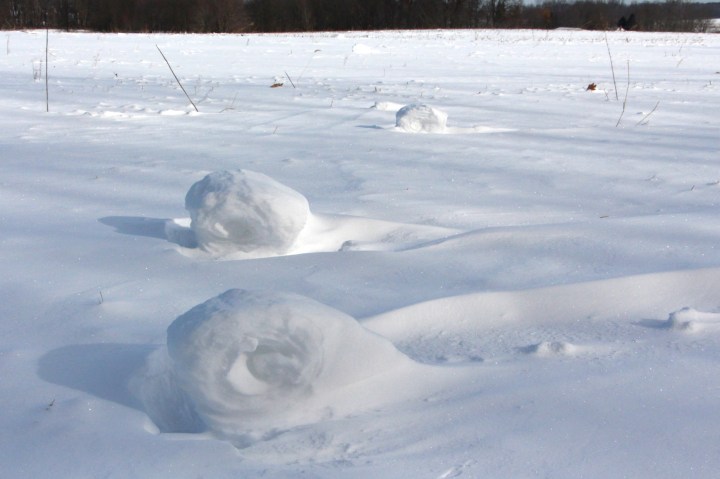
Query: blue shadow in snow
column 160, row 228
column 103, row 370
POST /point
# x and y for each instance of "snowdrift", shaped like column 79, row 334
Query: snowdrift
column 247, row 364
column 692, row 320
column 244, row 214
column 567, row 330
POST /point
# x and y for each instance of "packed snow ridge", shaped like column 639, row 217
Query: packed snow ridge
column 246, row 364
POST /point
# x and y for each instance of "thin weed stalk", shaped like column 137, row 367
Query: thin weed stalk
column 291, row 82
column 177, row 79
column 644, row 120
column 627, row 89
column 47, row 88
column 612, row 67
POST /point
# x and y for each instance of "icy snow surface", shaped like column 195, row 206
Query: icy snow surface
column 535, row 292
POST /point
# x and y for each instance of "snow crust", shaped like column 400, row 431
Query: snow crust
column 245, row 211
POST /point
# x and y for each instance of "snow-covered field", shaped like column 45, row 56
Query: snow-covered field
column 427, row 254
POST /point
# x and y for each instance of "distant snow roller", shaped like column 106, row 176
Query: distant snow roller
column 250, row 364
column 422, row 118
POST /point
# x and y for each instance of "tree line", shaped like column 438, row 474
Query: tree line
column 233, row 16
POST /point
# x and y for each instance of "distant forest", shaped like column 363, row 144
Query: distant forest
column 233, row 16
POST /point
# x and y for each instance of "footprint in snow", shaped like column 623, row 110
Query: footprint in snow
column 456, row 471
column 550, row 349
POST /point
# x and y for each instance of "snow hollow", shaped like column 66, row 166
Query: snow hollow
column 424, row 254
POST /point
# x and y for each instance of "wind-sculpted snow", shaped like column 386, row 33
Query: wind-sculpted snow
column 253, row 363
column 547, row 264
column 570, row 321
column 244, row 214
column 245, row 211
column 692, row 320
column 419, row 118
column 423, row 118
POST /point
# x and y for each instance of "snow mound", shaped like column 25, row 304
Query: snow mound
column 387, row 106
column 253, row 363
column 689, row 319
column 361, row 49
column 420, row 118
column 247, row 215
column 245, row 211
column 551, row 348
